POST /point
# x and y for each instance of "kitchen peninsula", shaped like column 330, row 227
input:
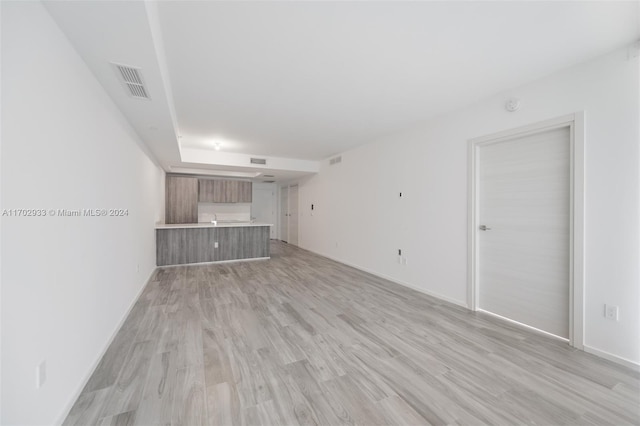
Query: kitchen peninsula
column 193, row 232
column 178, row 244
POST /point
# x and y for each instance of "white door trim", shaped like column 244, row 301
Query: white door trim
column 575, row 122
column 283, row 213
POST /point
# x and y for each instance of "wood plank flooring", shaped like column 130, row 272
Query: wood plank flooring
column 300, row 339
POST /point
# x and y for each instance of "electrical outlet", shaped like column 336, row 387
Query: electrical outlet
column 215, row 245
column 41, row 374
column 611, row 312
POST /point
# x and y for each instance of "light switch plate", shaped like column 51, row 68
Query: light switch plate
column 41, row 374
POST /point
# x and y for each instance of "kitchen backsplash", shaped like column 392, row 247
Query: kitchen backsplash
column 210, row 211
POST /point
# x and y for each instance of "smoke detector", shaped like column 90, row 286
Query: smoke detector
column 512, row 104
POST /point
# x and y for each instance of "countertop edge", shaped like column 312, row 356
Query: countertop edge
column 209, row 225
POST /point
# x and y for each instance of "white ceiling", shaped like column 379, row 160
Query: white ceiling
column 307, row 80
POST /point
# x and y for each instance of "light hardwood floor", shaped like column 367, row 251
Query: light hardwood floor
column 300, row 339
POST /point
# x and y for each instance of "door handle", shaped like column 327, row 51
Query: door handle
column 484, row 228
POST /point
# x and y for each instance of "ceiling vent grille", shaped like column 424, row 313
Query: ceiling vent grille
column 132, row 80
column 262, row 161
column 335, row 160
column 268, row 181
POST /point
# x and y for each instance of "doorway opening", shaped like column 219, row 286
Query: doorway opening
column 289, row 214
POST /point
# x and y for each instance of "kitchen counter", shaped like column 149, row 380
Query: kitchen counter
column 220, row 224
column 179, row 244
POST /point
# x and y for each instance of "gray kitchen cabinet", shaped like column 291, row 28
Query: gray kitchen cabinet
column 231, row 191
column 219, row 191
column 211, row 244
column 181, row 200
column 245, row 192
column 224, row 191
column 207, row 191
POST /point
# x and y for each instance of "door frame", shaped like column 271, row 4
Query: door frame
column 296, row 205
column 284, row 223
column 575, row 122
column 287, row 187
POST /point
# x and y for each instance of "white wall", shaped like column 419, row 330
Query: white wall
column 360, row 220
column 66, row 281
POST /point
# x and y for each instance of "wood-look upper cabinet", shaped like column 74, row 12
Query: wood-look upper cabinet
column 224, row 191
column 219, row 192
column 181, row 200
column 231, row 191
column 206, row 190
column 245, row 191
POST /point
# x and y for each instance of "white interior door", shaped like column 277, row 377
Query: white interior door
column 524, row 253
column 284, row 213
column 263, row 207
column 293, row 215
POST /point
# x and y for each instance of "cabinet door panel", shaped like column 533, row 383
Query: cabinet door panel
column 231, row 191
column 219, row 191
column 181, row 200
column 245, row 192
column 206, row 191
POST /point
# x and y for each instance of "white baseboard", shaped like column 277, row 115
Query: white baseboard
column 614, row 358
column 69, row 406
column 393, row 280
column 523, row 325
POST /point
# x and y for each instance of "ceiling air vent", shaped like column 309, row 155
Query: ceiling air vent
column 268, row 181
column 262, row 161
column 335, row 160
column 132, row 80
